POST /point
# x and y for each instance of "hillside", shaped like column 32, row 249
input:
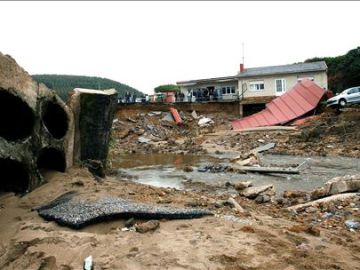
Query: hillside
column 343, row 70
column 63, row 84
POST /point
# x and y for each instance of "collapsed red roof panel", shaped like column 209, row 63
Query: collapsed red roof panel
column 299, row 100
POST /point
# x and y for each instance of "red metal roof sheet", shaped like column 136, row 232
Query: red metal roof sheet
column 299, row 100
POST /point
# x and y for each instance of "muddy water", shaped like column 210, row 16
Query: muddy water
column 166, row 170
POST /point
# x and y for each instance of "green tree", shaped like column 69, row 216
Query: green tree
column 167, row 88
column 63, row 84
column 343, row 70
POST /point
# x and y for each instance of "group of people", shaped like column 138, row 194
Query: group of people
column 203, row 94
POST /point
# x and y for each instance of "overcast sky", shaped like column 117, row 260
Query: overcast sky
column 145, row 44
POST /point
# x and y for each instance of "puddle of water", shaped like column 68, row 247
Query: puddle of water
column 166, row 170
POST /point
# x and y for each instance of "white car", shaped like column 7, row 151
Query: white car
column 348, row 96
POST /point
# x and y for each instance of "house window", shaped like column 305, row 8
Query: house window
column 228, row 90
column 257, row 86
column 311, row 78
column 280, row 86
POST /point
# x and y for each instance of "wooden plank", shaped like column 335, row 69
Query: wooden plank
column 268, row 128
column 268, row 169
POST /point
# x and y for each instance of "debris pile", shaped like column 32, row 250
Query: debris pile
column 157, row 132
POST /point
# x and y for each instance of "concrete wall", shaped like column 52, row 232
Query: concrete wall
column 233, row 108
column 320, row 78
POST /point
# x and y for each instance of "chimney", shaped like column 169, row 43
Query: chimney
column 241, row 68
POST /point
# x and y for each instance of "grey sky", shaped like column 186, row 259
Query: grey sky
column 144, row 44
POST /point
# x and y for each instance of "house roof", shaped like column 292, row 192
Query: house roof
column 299, row 100
column 264, row 71
column 284, row 69
column 217, row 79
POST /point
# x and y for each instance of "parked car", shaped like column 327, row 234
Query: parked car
column 348, row 96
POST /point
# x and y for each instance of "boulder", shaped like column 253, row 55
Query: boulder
column 253, row 192
column 242, row 185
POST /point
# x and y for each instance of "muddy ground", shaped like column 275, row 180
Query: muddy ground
column 263, row 236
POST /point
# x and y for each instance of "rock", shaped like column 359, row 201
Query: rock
column 129, row 223
column 236, row 205
column 352, row 224
column 311, row 209
column 294, row 194
column 252, row 192
column 242, row 185
column 188, row 169
column 262, row 198
column 219, row 204
column 144, row 140
column 150, row 225
column 251, row 161
column 318, row 193
column 96, row 167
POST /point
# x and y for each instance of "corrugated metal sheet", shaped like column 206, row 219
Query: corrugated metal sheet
column 301, row 99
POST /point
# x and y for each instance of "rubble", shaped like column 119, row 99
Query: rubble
column 253, row 192
column 348, row 183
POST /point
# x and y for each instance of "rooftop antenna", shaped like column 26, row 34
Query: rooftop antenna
column 243, row 55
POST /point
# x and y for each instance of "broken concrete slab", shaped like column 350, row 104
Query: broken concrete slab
column 263, row 148
column 194, row 115
column 75, row 213
column 168, row 117
column 336, row 197
column 205, row 122
column 253, row 192
column 341, row 184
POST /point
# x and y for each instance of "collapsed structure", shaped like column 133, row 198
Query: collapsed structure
column 37, row 129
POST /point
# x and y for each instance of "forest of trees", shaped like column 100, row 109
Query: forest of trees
column 63, row 84
column 343, row 70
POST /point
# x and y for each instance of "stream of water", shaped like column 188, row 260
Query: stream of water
column 166, row 170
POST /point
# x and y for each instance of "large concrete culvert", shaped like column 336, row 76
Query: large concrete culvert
column 55, row 119
column 51, row 159
column 14, row 176
column 16, row 117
